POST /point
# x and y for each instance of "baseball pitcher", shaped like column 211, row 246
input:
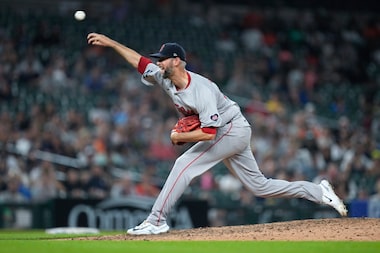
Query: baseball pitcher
column 222, row 135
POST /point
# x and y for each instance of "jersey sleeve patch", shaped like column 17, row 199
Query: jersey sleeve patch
column 214, row 117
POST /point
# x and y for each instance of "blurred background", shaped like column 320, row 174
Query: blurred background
column 79, row 129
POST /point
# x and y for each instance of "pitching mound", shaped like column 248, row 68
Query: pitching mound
column 343, row 229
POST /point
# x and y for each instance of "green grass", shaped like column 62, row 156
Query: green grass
column 39, row 242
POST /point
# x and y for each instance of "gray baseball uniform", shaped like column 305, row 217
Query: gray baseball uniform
column 231, row 145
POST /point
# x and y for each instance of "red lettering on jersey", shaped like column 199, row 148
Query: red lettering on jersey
column 184, row 111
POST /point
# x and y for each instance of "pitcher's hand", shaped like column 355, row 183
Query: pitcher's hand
column 99, row 40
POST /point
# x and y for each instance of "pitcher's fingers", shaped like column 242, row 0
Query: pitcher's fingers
column 90, row 35
column 93, row 40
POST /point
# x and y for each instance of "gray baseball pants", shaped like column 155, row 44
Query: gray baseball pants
column 232, row 146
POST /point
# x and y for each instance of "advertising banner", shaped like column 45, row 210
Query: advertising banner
column 124, row 213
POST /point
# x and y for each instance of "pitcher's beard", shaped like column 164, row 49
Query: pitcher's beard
column 167, row 73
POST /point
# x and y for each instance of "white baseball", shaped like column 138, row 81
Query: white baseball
column 80, row 15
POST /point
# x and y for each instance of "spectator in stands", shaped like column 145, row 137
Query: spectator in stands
column 98, row 183
column 84, row 178
column 14, row 192
column 5, row 86
column 146, row 186
column 239, row 83
column 72, row 184
column 373, row 173
column 374, row 202
column 252, row 39
column 95, row 81
column 30, row 68
column 355, row 166
column 256, row 105
column 3, row 172
column 225, row 44
column 275, row 105
column 44, row 185
column 123, row 187
column 333, row 174
column 161, row 147
column 9, row 57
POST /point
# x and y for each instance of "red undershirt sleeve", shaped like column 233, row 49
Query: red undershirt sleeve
column 209, row 130
column 142, row 64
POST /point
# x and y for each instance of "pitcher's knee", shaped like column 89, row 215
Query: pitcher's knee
column 262, row 188
column 183, row 170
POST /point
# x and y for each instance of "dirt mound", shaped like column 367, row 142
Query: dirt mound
column 343, row 229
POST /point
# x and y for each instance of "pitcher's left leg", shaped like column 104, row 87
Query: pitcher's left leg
column 245, row 167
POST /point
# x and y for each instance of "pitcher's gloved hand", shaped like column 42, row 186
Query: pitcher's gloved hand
column 186, row 124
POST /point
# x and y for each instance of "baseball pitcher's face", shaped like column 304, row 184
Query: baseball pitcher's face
column 167, row 67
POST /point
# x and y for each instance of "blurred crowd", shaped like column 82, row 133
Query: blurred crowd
column 282, row 65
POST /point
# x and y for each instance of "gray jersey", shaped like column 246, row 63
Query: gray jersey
column 202, row 97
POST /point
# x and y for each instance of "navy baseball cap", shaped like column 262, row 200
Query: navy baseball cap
column 170, row 50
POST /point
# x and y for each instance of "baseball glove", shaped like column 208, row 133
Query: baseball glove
column 187, row 124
